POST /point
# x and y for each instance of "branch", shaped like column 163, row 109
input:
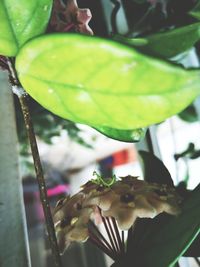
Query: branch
column 23, row 98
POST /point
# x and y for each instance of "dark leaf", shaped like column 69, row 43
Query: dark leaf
column 154, row 169
column 189, row 114
column 169, row 237
column 194, row 249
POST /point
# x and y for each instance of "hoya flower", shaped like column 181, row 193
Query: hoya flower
column 98, row 195
column 70, row 220
column 115, row 203
column 69, row 17
column 138, row 199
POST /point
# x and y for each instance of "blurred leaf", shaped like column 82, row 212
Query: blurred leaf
column 173, row 42
column 21, row 20
column 195, row 12
column 103, row 83
column 169, row 236
column 154, row 169
column 169, row 43
column 134, row 135
column 189, row 114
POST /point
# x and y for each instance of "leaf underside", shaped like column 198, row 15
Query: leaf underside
column 129, row 136
column 103, row 83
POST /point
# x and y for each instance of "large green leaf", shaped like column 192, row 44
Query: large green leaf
column 21, row 20
column 168, row 238
column 130, row 136
column 195, row 12
column 103, row 83
column 166, row 44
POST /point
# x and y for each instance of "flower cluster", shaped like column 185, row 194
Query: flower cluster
column 124, row 200
column 69, row 17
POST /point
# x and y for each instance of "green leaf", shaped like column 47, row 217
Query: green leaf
column 130, row 136
column 99, row 82
column 173, row 42
column 154, row 169
column 167, row 44
column 195, row 12
column 21, row 20
column 189, row 114
column 171, row 237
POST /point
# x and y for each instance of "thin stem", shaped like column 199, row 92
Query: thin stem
column 91, row 224
column 197, row 261
column 114, row 15
column 93, row 239
column 117, row 234
column 23, row 98
column 113, row 235
column 108, row 233
column 139, row 23
column 123, row 243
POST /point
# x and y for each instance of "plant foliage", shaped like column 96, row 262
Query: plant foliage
column 102, row 83
column 20, row 21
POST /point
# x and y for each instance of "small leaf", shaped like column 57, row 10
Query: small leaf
column 170, row 237
column 21, row 20
column 130, row 136
column 99, row 82
column 169, row 43
column 189, row 114
column 173, row 42
column 154, row 169
column 195, row 12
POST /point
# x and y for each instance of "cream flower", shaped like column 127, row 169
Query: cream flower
column 124, row 200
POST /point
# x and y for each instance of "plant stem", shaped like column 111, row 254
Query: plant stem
column 109, row 234
column 113, row 233
column 98, row 233
column 120, row 243
column 197, row 261
column 23, row 98
column 123, row 243
column 115, row 10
